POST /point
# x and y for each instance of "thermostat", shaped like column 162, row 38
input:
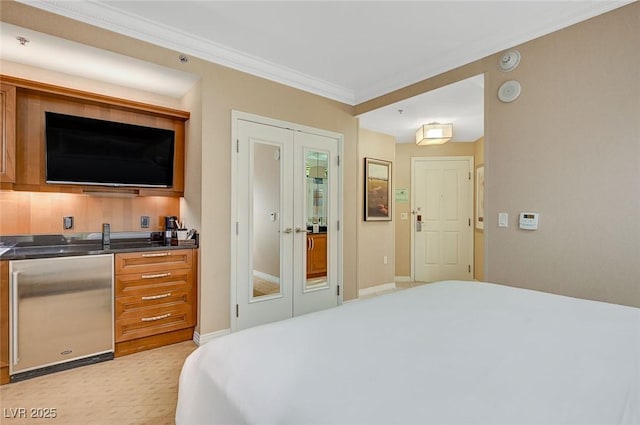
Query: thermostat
column 529, row 221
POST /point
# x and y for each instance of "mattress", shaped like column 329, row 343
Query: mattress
column 444, row 353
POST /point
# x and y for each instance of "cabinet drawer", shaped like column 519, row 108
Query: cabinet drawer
column 156, row 281
column 141, row 304
column 153, row 321
column 150, row 261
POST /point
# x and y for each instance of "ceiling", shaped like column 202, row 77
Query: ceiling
column 350, row 51
column 461, row 103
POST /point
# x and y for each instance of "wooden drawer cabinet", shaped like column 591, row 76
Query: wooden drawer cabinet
column 150, row 261
column 153, row 321
column 155, row 298
column 150, row 283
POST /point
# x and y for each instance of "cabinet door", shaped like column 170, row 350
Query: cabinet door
column 320, row 254
column 317, row 256
column 7, row 133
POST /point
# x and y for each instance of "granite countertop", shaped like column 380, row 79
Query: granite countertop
column 21, row 247
column 321, row 230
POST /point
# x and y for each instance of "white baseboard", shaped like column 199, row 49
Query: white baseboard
column 203, row 339
column 377, row 288
column 403, row 278
column 350, row 301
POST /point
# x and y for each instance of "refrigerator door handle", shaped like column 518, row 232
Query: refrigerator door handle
column 14, row 317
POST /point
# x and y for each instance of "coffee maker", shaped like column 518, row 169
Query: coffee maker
column 170, row 227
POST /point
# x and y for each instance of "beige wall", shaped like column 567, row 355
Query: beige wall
column 375, row 238
column 225, row 90
column 208, row 167
column 569, row 149
column 404, row 153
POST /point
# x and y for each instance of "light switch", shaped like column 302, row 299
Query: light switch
column 503, row 220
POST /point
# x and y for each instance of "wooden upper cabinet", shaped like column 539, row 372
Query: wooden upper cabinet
column 33, row 99
column 7, row 132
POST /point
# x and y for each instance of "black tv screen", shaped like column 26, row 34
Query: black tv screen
column 88, row 151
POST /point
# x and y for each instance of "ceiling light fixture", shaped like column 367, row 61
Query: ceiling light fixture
column 434, row 134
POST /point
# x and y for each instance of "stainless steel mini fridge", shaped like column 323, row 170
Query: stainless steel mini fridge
column 61, row 313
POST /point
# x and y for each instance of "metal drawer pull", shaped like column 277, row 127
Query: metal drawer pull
column 156, row 297
column 155, row 276
column 152, row 319
column 157, row 254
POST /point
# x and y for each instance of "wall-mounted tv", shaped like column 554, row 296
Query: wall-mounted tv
column 89, row 151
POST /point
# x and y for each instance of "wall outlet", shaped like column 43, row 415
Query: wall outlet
column 67, row 222
column 144, row 221
column 384, row 259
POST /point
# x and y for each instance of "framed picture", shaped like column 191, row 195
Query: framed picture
column 377, row 190
column 480, row 197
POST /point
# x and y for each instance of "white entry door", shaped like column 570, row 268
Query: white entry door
column 287, row 210
column 442, row 206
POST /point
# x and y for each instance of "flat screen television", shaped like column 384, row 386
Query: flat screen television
column 89, row 151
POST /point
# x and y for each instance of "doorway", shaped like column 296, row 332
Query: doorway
column 442, row 218
column 286, row 242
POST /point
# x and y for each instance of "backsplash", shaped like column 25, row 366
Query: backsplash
column 42, row 213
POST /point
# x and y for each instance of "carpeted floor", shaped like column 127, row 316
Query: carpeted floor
column 262, row 287
column 139, row 389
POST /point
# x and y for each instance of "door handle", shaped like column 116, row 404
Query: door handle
column 287, row 230
column 299, row 230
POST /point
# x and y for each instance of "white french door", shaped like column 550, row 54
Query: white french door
column 442, row 213
column 286, row 238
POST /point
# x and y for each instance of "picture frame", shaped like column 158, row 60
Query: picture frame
column 377, row 190
column 480, row 197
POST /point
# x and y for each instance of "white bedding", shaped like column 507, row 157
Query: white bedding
column 444, row 353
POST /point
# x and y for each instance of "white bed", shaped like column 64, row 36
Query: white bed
column 444, row 353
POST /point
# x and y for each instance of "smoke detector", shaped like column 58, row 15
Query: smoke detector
column 509, row 60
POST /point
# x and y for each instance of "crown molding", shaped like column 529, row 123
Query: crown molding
column 104, row 16
column 101, row 14
column 481, row 48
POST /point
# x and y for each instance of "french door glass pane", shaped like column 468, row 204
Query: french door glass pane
column 316, row 204
column 266, row 221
